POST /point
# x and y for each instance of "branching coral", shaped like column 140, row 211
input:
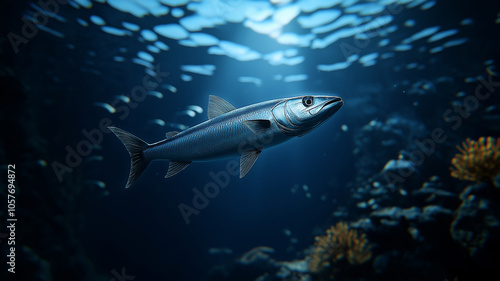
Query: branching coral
column 339, row 243
column 478, row 160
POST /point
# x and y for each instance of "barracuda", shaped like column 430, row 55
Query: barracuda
column 230, row 131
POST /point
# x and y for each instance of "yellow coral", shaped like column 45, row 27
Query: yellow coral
column 478, row 160
column 339, row 242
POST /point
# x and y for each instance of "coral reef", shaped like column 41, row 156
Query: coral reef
column 476, row 226
column 377, row 140
column 339, row 254
column 255, row 264
column 478, row 160
column 339, row 243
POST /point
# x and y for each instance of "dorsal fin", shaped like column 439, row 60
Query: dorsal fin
column 171, row 134
column 218, row 106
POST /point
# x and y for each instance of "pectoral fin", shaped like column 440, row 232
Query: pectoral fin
column 176, row 167
column 258, row 126
column 247, row 160
column 218, row 106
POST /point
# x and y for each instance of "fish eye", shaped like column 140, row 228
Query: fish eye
column 307, row 101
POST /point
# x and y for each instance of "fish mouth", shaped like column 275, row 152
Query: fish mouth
column 332, row 105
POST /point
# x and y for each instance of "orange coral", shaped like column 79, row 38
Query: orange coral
column 339, row 242
column 478, row 160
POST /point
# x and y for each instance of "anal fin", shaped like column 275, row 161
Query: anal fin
column 176, row 167
column 247, row 160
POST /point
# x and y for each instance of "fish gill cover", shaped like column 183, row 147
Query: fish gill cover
column 418, row 77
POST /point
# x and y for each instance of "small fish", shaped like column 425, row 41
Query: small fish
column 123, row 98
column 99, row 183
column 157, row 122
column 229, row 131
column 155, row 94
column 106, row 106
column 170, row 88
column 490, row 70
column 195, row 108
column 187, row 112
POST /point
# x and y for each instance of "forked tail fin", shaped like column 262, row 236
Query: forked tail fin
column 135, row 147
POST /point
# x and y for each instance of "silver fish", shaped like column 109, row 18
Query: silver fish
column 229, row 131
